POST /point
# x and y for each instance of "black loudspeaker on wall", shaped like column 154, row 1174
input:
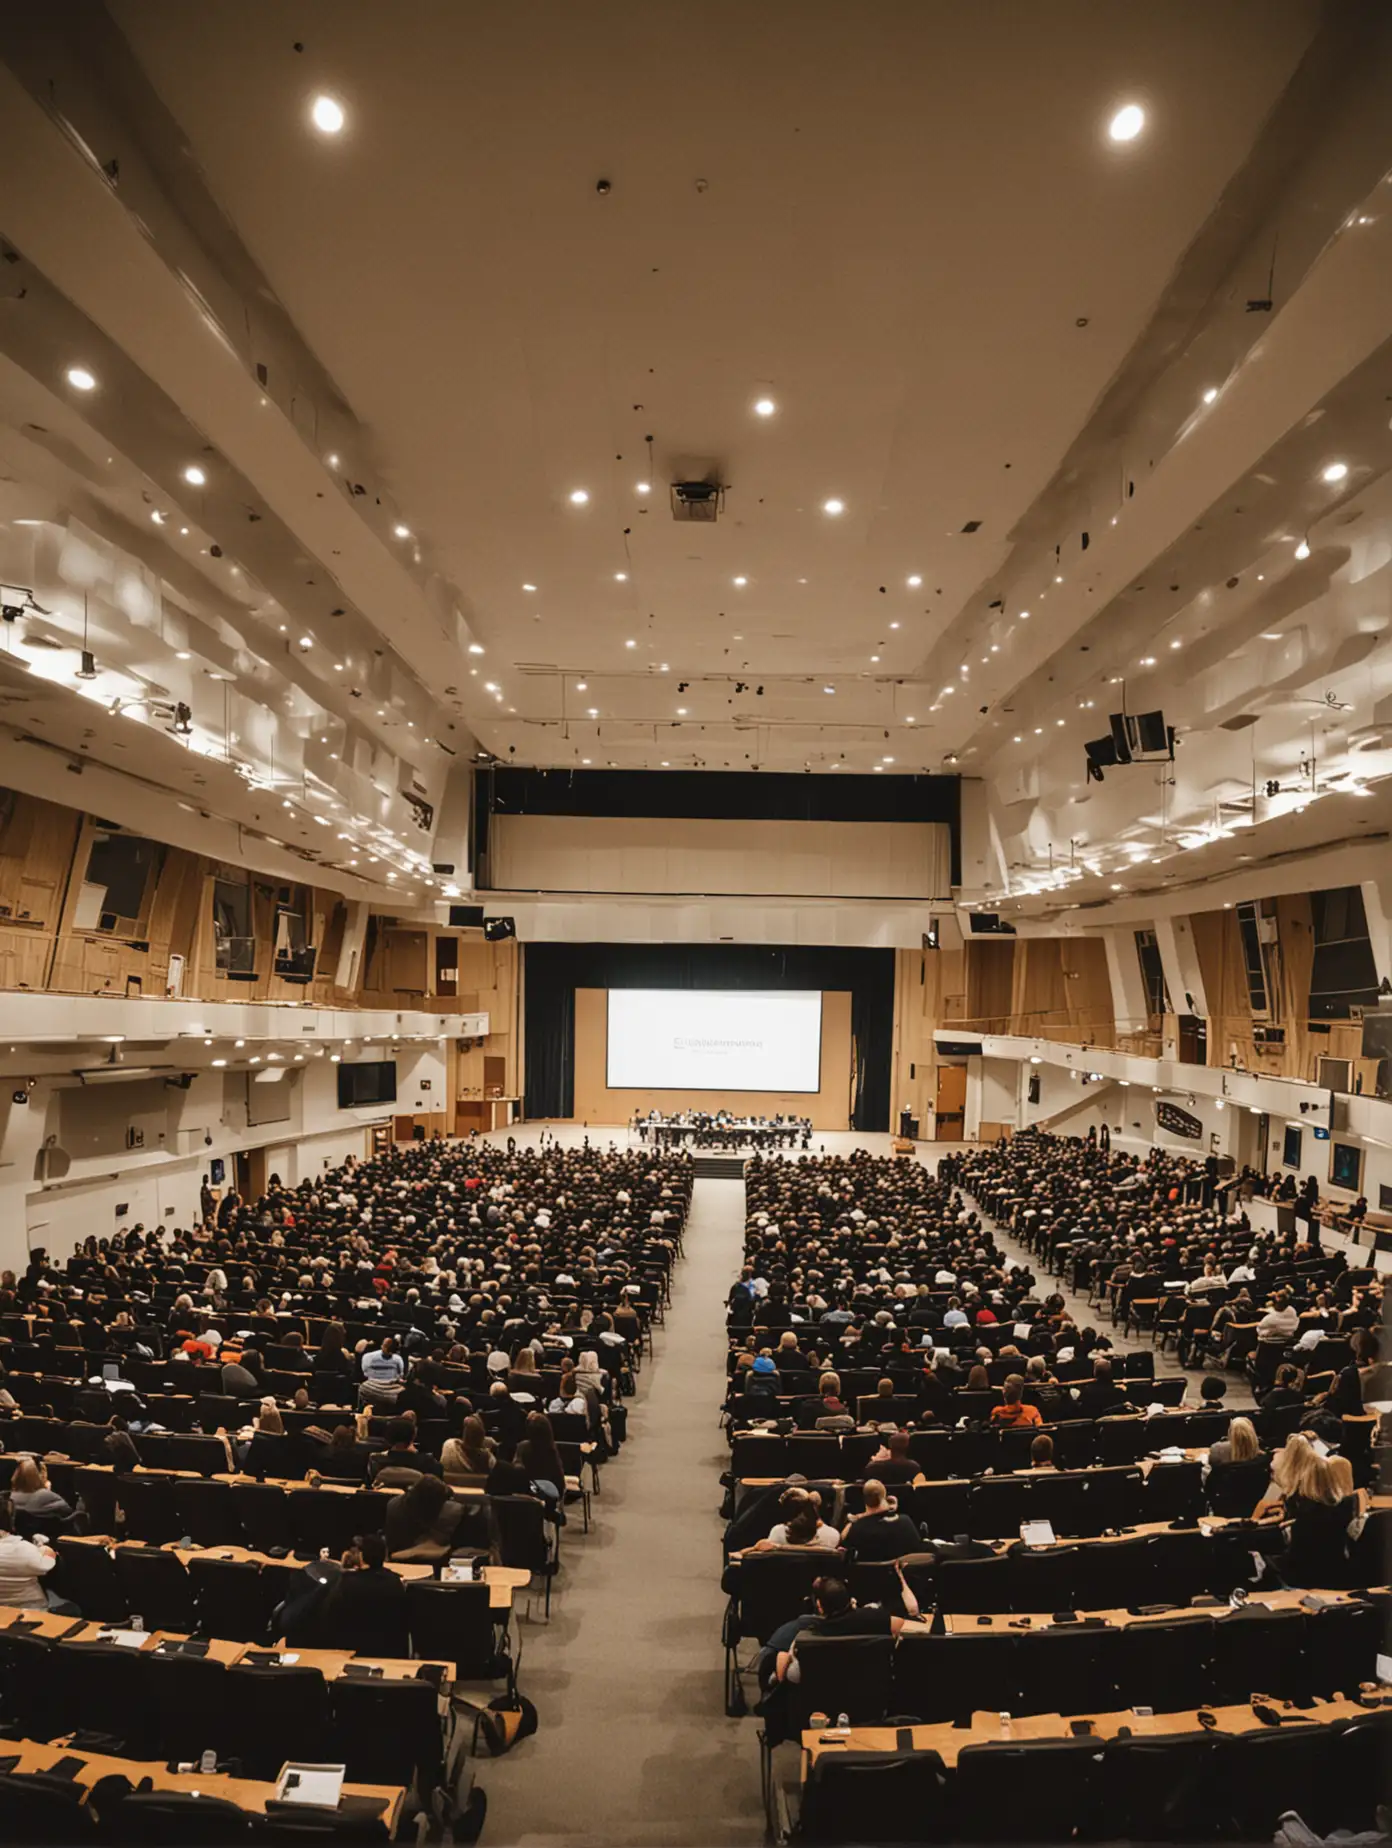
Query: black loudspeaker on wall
column 466, row 917
column 495, row 929
column 1034, row 1088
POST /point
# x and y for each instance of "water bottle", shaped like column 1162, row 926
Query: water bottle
column 843, row 1725
column 1005, row 1725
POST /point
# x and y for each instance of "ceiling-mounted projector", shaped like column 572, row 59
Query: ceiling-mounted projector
column 697, row 500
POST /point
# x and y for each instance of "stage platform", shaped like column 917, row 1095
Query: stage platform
column 620, row 1136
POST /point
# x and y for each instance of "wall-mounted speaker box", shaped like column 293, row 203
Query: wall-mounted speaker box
column 1334, row 1074
column 466, row 917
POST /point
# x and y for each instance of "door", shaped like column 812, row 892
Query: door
column 950, row 1103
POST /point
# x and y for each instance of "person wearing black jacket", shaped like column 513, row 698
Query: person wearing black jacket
column 366, row 1609
column 881, row 1532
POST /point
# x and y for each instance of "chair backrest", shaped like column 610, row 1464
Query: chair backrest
column 842, row 1674
column 156, row 1585
column 35, row 1809
column 874, row 1797
column 233, row 1600
column 1058, row 1781
column 454, row 1621
column 777, row 1585
column 387, row 1732
column 88, row 1573
column 275, row 1715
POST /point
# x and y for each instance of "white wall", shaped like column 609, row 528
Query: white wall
column 91, row 1172
column 777, row 859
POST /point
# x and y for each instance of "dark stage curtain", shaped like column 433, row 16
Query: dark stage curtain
column 555, row 970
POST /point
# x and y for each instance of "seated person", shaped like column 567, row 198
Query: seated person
column 366, row 1609
column 1241, row 1445
column 801, row 1524
column 891, row 1464
column 1286, row 1391
column 1013, row 1411
column 425, row 1519
column 23, row 1567
column 838, row 1614
column 1042, row 1452
column 30, row 1492
column 881, row 1532
column 401, row 1462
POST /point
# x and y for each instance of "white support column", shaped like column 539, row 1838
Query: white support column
column 1124, row 975
column 1377, row 908
column 349, row 971
column 1180, row 960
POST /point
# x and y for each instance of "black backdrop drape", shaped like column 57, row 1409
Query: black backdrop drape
column 553, row 972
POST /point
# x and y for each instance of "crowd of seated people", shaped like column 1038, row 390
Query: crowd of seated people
column 904, row 1400
column 431, row 1314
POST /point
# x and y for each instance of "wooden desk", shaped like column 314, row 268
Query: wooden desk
column 247, row 1793
column 963, row 1623
column 987, row 1729
column 332, row 1662
column 244, row 1555
column 37, row 1623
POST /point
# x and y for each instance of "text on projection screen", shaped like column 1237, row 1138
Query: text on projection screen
column 692, row 1039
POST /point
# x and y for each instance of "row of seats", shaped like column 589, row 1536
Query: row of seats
column 38, row 1807
column 1166, row 1664
column 148, row 1705
column 235, row 1601
column 1188, row 1787
column 1080, row 1503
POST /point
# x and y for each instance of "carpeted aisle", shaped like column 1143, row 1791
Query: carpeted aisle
column 633, row 1746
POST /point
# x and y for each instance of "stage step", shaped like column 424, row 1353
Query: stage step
column 719, row 1167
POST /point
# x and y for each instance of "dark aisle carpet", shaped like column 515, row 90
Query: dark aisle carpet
column 632, row 1745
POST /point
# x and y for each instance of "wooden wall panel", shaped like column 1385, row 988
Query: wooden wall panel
column 990, row 982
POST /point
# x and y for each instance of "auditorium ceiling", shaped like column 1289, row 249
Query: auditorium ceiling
column 1011, row 423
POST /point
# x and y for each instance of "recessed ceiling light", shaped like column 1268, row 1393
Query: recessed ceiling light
column 1303, row 549
column 1176, row 644
column 594, row 712
column 620, row 577
column 1270, row 635
column 665, row 764
column 402, row 532
column 828, row 689
column 643, row 487
column 327, row 115
column 579, row 497
column 157, row 516
column 681, row 712
column 475, row 647
column 1024, row 615
column 195, row 476
column 587, row 760
column 181, row 654
column 741, row 582
column 833, row 506
column 913, row 582
column 909, row 720
column 81, row 379
column 488, row 687
column 1210, row 394
column 1336, row 471
column 630, row 643
column 889, row 760
column 1127, row 123
column 1147, row 660
column 764, row 407
column 879, row 769
column 529, row 587
column 874, row 657
column 582, row 686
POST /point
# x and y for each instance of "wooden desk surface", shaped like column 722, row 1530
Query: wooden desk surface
column 987, row 1729
column 965, row 1624
column 247, row 1793
column 37, row 1623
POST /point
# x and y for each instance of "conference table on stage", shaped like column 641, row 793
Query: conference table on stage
column 716, row 1129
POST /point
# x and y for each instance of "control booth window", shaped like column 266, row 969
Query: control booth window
column 118, row 887
column 233, row 936
column 294, row 954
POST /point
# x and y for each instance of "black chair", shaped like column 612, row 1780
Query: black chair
column 1174, row 1491
column 99, row 1494
column 1048, row 1578
column 263, row 1511
column 454, row 1621
column 1166, row 1664
column 1362, row 1770
column 388, row 1732
column 997, row 1506
column 941, row 1509
column 1262, row 1774
column 101, row 1688
column 971, row 1585
column 275, row 1715
column 171, row 1818
column 1157, row 1789
column 1058, row 1781
column 1076, row 1664
column 939, row 1679
column 87, row 1574
column 151, row 1507
column 320, row 1520
column 1341, row 1647
column 874, row 1797
column 1234, row 1489
column 1060, row 1497
column 1116, row 1574
column 29, row 1685
column 520, row 1524
column 232, row 1599
column 208, row 1513
column 155, row 1584
column 44, row 1809
column 188, row 1703
column 1258, row 1652
column 841, row 1674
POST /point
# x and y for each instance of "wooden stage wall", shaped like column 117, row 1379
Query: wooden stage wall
column 828, row 1108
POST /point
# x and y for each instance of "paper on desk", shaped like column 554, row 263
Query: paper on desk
column 321, row 1785
column 1037, row 1533
column 128, row 1639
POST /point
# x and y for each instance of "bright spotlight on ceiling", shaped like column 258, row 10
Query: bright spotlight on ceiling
column 1127, row 123
column 327, row 115
column 764, row 407
column 833, row 506
column 1336, row 471
column 81, row 379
